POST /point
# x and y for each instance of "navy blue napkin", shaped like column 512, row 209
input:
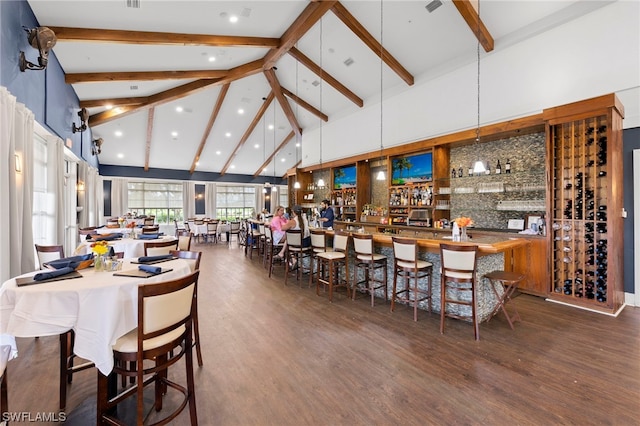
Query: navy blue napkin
column 146, row 259
column 41, row 276
column 148, row 236
column 109, row 237
column 69, row 262
column 150, row 269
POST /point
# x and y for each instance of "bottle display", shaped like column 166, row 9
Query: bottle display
column 507, row 166
column 498, row 168
column 488, row 171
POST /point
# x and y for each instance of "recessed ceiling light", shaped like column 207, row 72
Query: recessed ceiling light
column 256, row 146
column 297, row 144
column 270, row 126
column 283, row 159
column 264, row 170
column 233, row 166
column 179, row 109
column 108, row 106
column 228, row 134
column 174, row 134
column 218, row 153
column 118, row 110
column 212, row 58
column 118, row 133
column 240, row 111
column 197, row 163
column 233, row 19
column 120, row 155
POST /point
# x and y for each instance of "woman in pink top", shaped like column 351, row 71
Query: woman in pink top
column 279, row 225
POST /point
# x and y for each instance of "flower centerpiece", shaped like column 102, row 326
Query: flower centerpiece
column 121, row 221
column 99, row 249
column 462, row 223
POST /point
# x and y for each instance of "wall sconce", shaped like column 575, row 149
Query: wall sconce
column 18, row 164
column 43, row 39
column 84, row 117
column 80, row 186
column 96, row 146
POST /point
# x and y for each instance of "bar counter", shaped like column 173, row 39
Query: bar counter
column 492, row 252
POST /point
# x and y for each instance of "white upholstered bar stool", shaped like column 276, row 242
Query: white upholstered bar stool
column 334, row 261
column 457, row 278
column 406, row 264
column 368, row 261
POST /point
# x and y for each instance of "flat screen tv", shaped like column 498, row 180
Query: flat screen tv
column 412, row 169
column 344, row 177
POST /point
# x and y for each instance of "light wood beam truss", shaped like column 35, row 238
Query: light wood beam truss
column 212, row 120
column 273, row 154
column 147, row 151
column 284, row 104
column 305, row 105
column 248, row 132
column 470, row 15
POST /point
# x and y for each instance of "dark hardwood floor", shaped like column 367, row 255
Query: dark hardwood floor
column 276, row 355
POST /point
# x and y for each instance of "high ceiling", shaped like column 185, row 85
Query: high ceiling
column 324, row 54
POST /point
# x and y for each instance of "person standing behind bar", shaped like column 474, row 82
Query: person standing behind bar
column 326, row 215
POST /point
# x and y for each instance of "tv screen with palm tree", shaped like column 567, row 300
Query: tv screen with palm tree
column 344, row 177
column 412, row 169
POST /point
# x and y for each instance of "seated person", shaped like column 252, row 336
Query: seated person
column 299, row 222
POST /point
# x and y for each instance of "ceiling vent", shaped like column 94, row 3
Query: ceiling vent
column 315, row 83
column 433, row 5
column 133, row 4
column 348, row 62
column 245, row 12
column 133, row 87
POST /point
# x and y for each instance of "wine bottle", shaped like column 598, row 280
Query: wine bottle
column 488, row 171
column 470, row 171
column 453, row 172
column 460, row 172
column 507, row 166
column 498, row 168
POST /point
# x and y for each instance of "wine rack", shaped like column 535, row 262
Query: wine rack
column 586, row 203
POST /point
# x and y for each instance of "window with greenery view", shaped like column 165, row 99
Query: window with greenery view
column 234, row 202
column 162, row 200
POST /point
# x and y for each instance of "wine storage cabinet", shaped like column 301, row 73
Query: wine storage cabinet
column 585, row 207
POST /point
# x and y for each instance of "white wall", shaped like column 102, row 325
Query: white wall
column 593, row 55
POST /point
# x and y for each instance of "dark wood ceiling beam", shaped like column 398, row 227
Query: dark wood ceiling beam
column 93, row 77
column 305, row 105
column 114, row 102
column 249, row 130
column 270, row 74
column 149, row 37
column 304, row 60
column 470, row 15
column 273, row 154
column 295, row 166
column 153, row 100
column 147, row 151
column 307, row 19
column 360, row 31
column 212, row 120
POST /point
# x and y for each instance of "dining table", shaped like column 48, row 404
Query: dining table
column 131, row 247
column 98, row 306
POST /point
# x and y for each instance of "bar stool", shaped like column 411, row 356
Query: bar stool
column 272, row 249
column 318, row 245
column 459, row 275
column 369, row 262
column 508, row 283
column 296, row 251
column 406, row 264
column 334, row 261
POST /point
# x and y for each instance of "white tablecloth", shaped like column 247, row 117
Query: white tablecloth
column 99, row 307
column 130, row 246
column 125, row 231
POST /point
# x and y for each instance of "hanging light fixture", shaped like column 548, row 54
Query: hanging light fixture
column 321, row 181
column 381, row 175
column 478, row 167
column 296, row 184
column 274, row 188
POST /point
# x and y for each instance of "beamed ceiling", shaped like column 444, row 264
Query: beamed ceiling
column 164, row 81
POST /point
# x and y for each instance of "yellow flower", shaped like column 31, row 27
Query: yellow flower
column 463, row 221
column 100, row 247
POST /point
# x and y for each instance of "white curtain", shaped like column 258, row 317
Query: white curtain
column 209, row 200
column 189, row 199
column 55, row 179
column 119, row 196
column 91, row 199
column 16, row 187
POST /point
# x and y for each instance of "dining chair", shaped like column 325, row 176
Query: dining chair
column 68, row 366
column 193, row 258
column 148, row 221
column 295, row 252
column 234, row 229
column 151, row 229
column 458, row 284
column 5, row 352
column 369, row 261
column 184, row 240
column 335, row 261
column 407, row 265
column 48, row 253
column 163, row 337
column 159, row 248
column 212, row 232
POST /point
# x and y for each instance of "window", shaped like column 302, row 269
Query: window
column 235, row 202
column 43, row 219
column 284, row 195
column 162, row 200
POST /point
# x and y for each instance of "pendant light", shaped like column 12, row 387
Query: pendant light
column 274, row 188
column 478, row 167
column 321, row 181
column 381, row 175
column 296, row 184
column 264, row 146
